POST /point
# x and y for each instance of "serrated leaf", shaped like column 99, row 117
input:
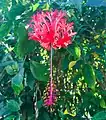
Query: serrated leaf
column 13, row 106
column 71, row 64
column 24, row 46
column 39, row 71
column 89, row 75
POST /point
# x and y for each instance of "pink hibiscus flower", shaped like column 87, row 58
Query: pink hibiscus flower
column 51, row 29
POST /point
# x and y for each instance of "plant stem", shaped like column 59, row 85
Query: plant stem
column 51, row 69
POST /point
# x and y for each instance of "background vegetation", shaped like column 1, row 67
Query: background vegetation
column 79, row 70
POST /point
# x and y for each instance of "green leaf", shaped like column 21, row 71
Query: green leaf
column 46, row 7
column 77, row 4
column 13, row 106
column 12, row 117
column 4, row 29
column 102, row 103
column 39, row 104
column 9, row 70
column 71, row 64
column 76, row 77
column 24, row 46
column 12, row 69
column 17, row 88
column 99, row 75
column 35, row 6
column 64, row 63
column 4, row 4
column 75, row 51
column 17, row 82
column 15, row 11
column 43, row 115
column 89, row 75
column 3, row 109
column 14, row 2
column 30, row 80
column 39, row 71
column 3, row 64
column 100, row 116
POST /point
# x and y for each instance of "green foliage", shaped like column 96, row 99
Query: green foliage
column 89, row 75
column 39, row 71
column 100, row 116
column 75, row 51
column 5, row 28
column 13, row 106
column 17, row 81
column 23, row 46
column 79, row 70
column 15, row 11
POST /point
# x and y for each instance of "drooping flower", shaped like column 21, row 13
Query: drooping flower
column 51, row 29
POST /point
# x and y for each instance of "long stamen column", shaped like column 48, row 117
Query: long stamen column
column 50, row 93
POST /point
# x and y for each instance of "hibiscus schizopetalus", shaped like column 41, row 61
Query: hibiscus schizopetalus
column 51, row 30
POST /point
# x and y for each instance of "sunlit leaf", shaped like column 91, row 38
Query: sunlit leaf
column 102, row 103
column 75, row 51
column 96, row 37
column 35, row 6
column 46, row 7
column 71, row 64
column 95, row 55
